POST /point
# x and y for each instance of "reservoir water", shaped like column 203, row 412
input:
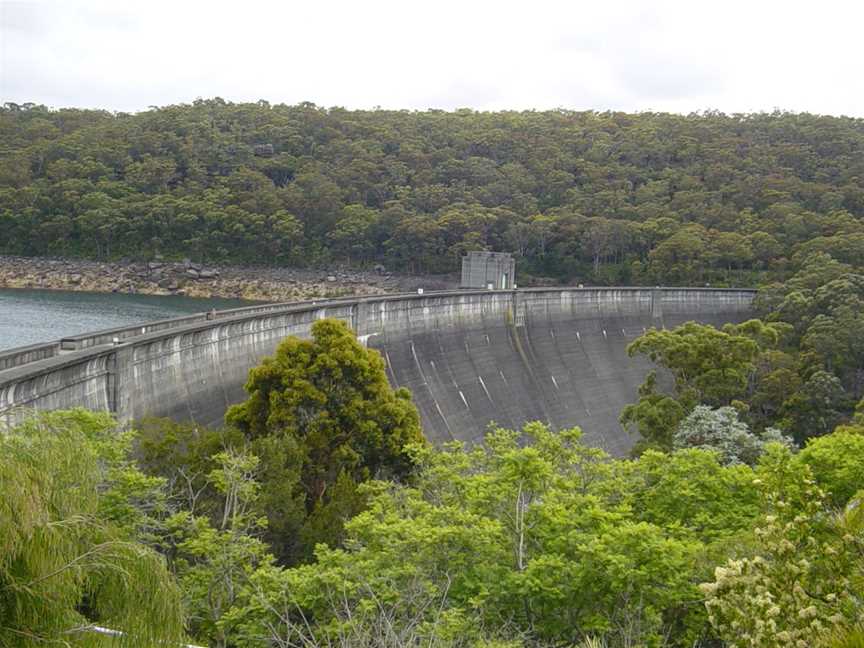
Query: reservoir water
column 32, row 316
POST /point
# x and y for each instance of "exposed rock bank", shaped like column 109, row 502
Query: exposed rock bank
column 196, row 280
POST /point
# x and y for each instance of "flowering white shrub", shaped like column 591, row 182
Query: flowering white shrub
column 722, row 431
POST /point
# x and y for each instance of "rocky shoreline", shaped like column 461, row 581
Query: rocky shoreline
column 197, row 280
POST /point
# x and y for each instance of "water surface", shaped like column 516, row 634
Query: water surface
column 33, row 316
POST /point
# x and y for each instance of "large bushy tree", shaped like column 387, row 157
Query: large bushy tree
column 329, row 398
column 70, row 528
column 320, row 419
column 322, row 410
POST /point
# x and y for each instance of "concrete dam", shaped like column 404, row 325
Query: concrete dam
column 556, row 355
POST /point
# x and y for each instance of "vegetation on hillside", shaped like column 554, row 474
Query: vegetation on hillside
column 599, row 197
column 799, row 370
column 319, row 517
column 530, row 540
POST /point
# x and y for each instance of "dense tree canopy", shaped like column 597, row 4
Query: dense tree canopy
column 320, row 419
column 318, row 517
column 798, row 370
column 327, row 403
column 72, row 550
column 602, row 197
column 529, row 540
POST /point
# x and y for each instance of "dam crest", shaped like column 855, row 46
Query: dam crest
column 556, row 355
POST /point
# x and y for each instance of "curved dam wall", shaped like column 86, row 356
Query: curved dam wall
column 469, row 357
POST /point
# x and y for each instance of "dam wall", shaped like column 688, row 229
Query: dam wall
column 469, row 357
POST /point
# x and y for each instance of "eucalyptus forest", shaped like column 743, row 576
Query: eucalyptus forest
column 602, row 198
column 319, row 516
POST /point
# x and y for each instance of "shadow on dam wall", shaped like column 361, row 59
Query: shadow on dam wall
column 469, row 357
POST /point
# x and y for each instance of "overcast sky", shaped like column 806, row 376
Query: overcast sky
column 728, row 55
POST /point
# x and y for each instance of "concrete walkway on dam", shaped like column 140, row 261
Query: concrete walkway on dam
column 469, row 357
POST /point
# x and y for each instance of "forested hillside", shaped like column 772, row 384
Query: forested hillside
column 527, row 541
column 319, row 517
column 595, row 197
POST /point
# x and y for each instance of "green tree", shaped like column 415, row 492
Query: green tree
column 837, row 463
column 64, row 567
column 214, row 563
column 709, row 366
column 816, row 408
column 351, row 236
column 655, row 416
column 692, row 494
column 803, row 580
column 328, row 403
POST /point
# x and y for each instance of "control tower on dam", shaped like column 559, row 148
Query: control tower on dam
column 469, row 357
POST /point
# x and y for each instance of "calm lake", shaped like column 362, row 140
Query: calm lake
column 31, row 316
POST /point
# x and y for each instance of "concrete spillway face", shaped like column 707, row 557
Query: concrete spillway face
column 470, row 358
column 563, row 363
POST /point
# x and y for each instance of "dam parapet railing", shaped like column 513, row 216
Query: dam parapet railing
column 193, row 367
column 19, row 356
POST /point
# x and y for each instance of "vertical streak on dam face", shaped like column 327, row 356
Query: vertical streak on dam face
column 469, row 357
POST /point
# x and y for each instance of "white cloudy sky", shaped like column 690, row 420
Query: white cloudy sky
column 729, row 55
